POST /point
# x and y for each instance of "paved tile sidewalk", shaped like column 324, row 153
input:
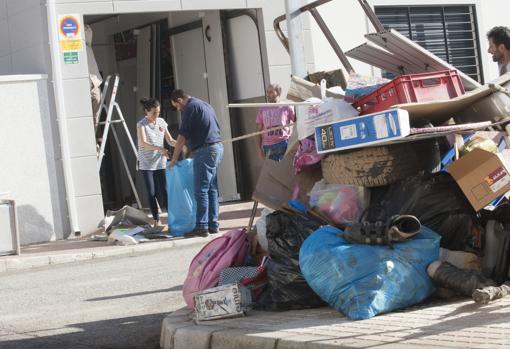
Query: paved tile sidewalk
column 459, row 324
column 232, row 216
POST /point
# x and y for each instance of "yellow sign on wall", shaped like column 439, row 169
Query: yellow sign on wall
column 71, row 45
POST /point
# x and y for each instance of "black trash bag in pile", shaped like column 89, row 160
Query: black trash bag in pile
column 438, row 202
column 287, row 288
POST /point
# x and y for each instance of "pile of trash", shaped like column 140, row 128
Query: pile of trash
column 384, row 201
column 130, row 226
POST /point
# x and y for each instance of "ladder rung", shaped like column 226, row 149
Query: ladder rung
column 111, row 122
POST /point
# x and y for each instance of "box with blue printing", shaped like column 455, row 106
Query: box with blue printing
column 362, row 131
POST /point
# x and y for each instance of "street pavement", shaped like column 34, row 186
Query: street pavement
column 117, row 302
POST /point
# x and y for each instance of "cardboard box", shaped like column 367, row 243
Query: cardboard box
column 222, row 302
column 277, row 181
column 367, row 130
column 482, row 176
column 490, row 108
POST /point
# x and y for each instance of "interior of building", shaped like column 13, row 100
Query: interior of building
column 154, row 53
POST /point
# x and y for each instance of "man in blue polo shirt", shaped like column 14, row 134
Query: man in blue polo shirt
column 200, row 130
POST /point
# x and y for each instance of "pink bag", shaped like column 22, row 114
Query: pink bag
column 229, row 250
column 306, row 155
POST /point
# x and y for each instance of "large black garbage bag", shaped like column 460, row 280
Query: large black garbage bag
column 438, row 202
column 287, row 288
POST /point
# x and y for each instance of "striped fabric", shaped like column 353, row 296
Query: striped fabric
column 151, row 160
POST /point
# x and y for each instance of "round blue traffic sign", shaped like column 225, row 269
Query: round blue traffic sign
column 69, row 26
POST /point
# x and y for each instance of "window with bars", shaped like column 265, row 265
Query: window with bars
column 450, row 32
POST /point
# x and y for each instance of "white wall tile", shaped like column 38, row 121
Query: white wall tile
column 25, row 28
column 30, row 60
column 281, row 75
column 90, row 212
column 212, row 5
column 85, row 176
column 78, row 70
column 16, row 6
column 176, row 19
column 81, row 136
column 255, row 3
column 127, row 6
column 5, row 45
column 79, row 1
column 5, row 65
column 77, row 98
column 3, row 9
column 271, row 10
column 86, row 8
column 276, row 53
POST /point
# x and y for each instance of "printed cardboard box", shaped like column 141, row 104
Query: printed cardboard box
column 222, row 302
column 363, row 131
column 482, row 176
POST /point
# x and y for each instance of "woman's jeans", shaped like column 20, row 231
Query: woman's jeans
column 205, row 168
column 276, row 151
column 155, row 182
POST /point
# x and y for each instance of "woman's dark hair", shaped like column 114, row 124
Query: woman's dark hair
column 149, row 103
column 500, row 35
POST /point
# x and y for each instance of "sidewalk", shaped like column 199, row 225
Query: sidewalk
column 232, row 216
column 458, row 324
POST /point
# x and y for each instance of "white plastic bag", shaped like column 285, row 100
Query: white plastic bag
column 261, row 228
column 329, row 111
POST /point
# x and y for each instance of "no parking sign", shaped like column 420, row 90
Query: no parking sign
column 69, row 29
column 69, row 26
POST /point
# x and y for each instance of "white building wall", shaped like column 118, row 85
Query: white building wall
column 29, row 172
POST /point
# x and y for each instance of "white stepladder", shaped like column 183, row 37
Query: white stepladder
column 108, row 104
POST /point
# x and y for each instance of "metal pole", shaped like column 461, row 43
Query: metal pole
column 296, row 42
column 372, row 16
column 331, row 39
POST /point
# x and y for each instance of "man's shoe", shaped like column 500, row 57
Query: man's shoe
column 214, row 231
column 196, row 232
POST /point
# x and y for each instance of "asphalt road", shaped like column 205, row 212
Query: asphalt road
column 108, row 303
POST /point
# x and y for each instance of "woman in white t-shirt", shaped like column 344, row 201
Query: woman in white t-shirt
column 152, row 155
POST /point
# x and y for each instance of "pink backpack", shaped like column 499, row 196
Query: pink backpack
column 229, row 250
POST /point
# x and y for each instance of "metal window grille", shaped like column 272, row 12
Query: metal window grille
column 450, row 32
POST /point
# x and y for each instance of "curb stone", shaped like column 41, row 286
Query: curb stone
column 240, row 338
column 24, row 262
column 168, row 330
column 195, row 337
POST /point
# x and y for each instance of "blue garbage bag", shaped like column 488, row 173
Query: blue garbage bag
column 181, row 199
column 362, row 281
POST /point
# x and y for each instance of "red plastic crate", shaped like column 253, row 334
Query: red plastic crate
column 422, row 87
